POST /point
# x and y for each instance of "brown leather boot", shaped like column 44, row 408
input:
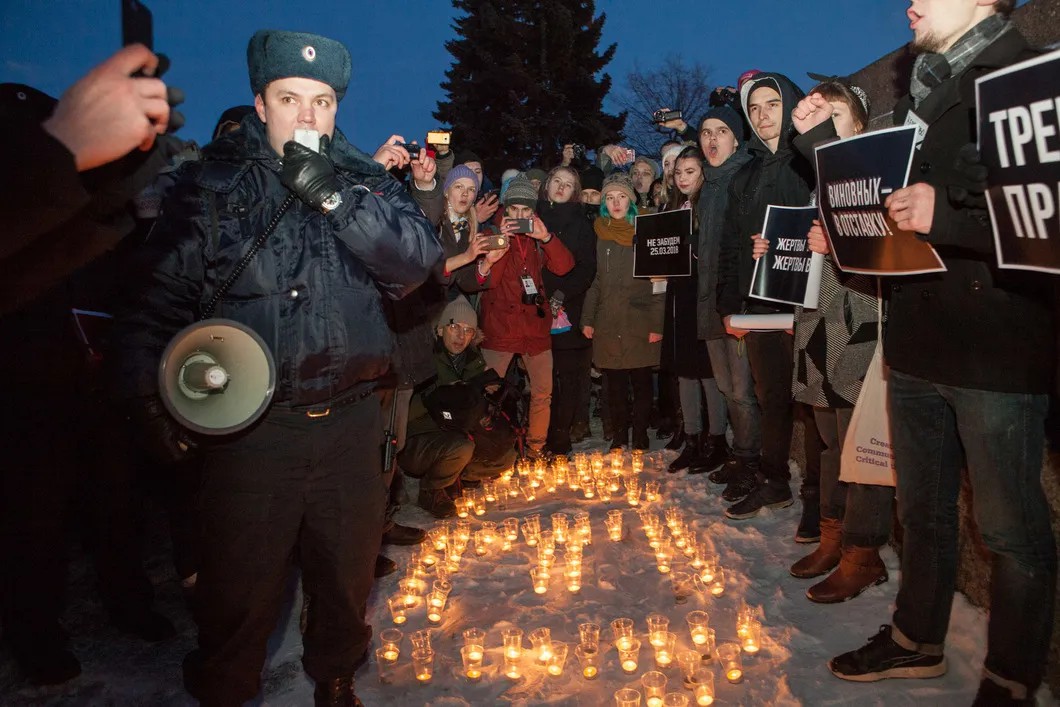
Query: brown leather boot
column 859, row 569
column 825, row 556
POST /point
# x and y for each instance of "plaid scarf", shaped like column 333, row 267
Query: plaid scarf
column 930, row 70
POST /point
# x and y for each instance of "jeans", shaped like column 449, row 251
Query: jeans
column 539, row 368
column 864, row 509
column 732, row 373
column 292, row 488
column 692, row 408
column 1003, row 437
column 772, row 357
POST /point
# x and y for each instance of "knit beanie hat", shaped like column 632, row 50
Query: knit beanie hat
column 459, row 172
column 521, row 191
column 465, row 156
column 508, row 175
column 619, row 181
column 652, row 165
column 276, row 54
column 728, row 116
column 674, row 150
column 536, row 173
column 459, row 311
column 592, row 178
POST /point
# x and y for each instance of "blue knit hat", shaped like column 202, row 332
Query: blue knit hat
column 277, row 54
column 460, row 172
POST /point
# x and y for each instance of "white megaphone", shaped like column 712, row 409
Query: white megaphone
column 217, row 377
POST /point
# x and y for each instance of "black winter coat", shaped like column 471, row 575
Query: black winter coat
column 567, row 222
column 973, row 326
column 314, row 293
column 684, row 354
column 783, row 178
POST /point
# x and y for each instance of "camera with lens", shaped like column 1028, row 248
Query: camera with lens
column 579, row 151
column 724, row 96
column 662, row 116
column 535, row 299
column 413, row 149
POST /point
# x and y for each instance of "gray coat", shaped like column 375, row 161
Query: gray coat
column 713, row 199
column 622, row 311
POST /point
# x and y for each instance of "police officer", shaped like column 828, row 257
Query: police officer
column 306, row 481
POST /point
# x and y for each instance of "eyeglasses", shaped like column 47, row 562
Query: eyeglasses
column 455, row 328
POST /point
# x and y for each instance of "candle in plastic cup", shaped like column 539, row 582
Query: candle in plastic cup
column 390, row 643
column 717, row 587
column 589, row 635
column 472, row 657
column 574, row 580
column 703, row 686
column 627, row 697
column 386, row 666
column 731, row 665
column 689, row 661
column 513, row 642
column 512, row 671
column 474, row 637
column 627, row 655
column 541, row 640
column 751, row 638
column 423, row 665
column 589, row 660
column 653, row 684
column 698, row 623
column 658, row 624
column 675, row 699
column 664, row 653
column 398, row 612
column 681, row 583
column 421, row 639
column 556, row 661
column 622, row 632
column 540, row 577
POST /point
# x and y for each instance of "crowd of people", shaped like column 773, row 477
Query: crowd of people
column 413, row 304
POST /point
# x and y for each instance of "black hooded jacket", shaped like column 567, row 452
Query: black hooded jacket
column 783, row 178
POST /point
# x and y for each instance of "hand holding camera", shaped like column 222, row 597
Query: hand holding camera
column 670, row 119
column 424, row 168
column 392, row 153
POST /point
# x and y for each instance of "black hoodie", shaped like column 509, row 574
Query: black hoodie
column 783, row 178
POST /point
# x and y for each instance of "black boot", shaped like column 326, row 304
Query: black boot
column 640, row 439
column 336, row 693
column 810, row 524
column 677, row 440
column 768, row 493
column 620, row 439
column 689, row 455
column 716, row 452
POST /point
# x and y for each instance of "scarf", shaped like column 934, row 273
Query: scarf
column 620, row 230
column 930, row 70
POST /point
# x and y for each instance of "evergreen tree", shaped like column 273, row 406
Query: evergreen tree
column 526, row 79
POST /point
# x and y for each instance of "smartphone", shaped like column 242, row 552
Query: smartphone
column 438, row 137
column 498, row 242
column 136, row 24
column 631, row 154
column 308, row 138
column 522, row 225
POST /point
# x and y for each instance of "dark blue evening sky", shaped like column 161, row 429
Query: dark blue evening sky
column 398, row 53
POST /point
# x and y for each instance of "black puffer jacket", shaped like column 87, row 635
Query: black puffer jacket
column 314, row 292
column 783, row 178
column 567, row 222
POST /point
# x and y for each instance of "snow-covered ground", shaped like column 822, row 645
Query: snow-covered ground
column 495, row 592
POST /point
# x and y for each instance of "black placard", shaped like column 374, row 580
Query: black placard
column 788, row 272
column 661, row 247
column 854, row 178
column 1019, row 141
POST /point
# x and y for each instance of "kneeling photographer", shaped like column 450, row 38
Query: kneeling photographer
column 457, row 431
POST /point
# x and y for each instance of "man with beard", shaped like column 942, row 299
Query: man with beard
column 971, row 352
column 776, row 174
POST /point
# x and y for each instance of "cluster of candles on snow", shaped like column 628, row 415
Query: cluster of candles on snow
column 447, row 543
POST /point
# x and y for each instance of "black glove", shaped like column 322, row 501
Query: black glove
column 163, row 439
column 309, row 175
column 969, row 188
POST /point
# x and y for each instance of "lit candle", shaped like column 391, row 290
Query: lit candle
column 589, row 672
column 733, row 674
column 624, row 644
column 390, row 654
column 663, row 659
column 629, row 665
column 703, row 697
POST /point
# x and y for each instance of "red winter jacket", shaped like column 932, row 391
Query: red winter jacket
column 508, row 324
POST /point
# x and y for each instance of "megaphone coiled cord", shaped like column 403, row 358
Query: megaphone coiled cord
column 259, row 242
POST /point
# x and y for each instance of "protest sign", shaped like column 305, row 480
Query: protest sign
column 1019, row 141
column 854, row 177
column 789, row 272
column 661, row 247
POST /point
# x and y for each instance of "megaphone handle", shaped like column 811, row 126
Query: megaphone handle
column 211, row 304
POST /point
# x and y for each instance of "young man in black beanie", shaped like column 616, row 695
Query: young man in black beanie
column 776, row 174
column 972, row 355
column 305, row 481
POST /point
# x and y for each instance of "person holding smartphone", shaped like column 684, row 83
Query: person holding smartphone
column 515, row 311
